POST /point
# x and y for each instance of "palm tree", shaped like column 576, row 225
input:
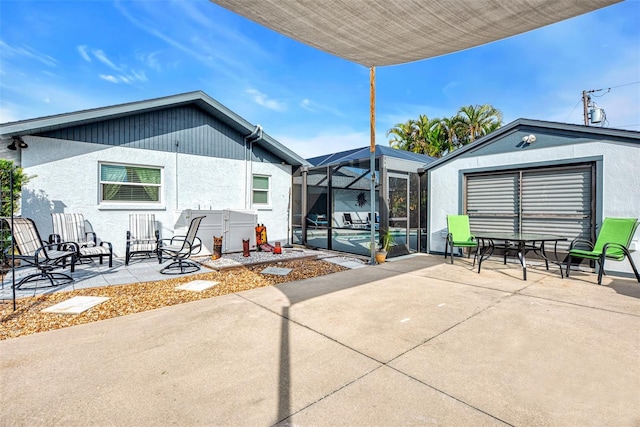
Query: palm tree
column 451, row 127
column 404, row 135
column 479, row 120
column 437, row 137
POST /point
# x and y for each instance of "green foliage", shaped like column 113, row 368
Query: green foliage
column 7, row 169
column 386, row 240
column 437, row 137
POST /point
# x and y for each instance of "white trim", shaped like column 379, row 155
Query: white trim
column 108, row 205
column 261, row 206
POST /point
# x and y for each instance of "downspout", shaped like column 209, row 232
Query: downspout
column 248, row 163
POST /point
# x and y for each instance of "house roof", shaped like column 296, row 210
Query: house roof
column 197, row 98
column 363, row 154
column 591, row 131
column 388, row 32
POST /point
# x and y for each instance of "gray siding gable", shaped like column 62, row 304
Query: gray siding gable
column 192, row 118
column 185, row 129
column 548, row 134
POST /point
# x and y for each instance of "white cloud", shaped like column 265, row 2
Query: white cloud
column 314, row 107
column 151, row 60
column 83, row 52
column 139, row 75
column 262, row 99
column 27, row 52
column 102, row 57
column 109, row 78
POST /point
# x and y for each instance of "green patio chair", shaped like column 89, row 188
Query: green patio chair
column 459, row 234
column 612, row 243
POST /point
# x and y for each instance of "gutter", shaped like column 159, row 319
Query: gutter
column 254, row 136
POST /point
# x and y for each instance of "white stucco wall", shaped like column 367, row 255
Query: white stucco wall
column 67, row 173
column 617, row 191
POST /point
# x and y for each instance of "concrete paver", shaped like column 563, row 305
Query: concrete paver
column 410, row 342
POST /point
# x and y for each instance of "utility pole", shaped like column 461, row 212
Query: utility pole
column 586, row 100
column 585, row 105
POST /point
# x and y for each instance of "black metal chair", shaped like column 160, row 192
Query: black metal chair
column 142, row 237
column 70, row 227
column 35, row 253
column 180, row 248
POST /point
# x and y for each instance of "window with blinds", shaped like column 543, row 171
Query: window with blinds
column 556, row 200
column 129, row 184
column 261, row 190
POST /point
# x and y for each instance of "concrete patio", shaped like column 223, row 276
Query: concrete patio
column 410, row 342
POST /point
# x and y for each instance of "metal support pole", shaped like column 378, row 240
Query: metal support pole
column 372, row 162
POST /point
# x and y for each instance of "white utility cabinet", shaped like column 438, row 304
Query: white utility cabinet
column 233, row 225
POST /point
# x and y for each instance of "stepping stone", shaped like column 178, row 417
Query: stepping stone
column 345, row 262
column 198, row 285
column 75, row 305
column 351, row 264
column 276, row 270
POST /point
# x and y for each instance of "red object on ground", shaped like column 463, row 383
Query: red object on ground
column 245, row 247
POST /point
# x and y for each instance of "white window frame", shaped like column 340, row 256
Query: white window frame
column 268, row 190
column 117, row 203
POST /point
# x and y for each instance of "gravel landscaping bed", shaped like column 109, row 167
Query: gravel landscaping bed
column 133, row 298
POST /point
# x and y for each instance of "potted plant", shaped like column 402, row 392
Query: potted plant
column 385, row 244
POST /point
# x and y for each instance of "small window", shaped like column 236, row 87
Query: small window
column 123, row 184
column 261, row 190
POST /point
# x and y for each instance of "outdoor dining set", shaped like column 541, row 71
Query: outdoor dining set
column 613, row 242
column 72, row 243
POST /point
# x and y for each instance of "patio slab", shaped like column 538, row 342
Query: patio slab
column 222, row 361
column 376, row 399
column 381, row 345
column 379, row 318
column 531, row 361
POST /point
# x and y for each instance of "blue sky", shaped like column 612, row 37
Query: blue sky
column 64, row 56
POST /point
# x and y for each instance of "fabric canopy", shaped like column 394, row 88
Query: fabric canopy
column 387, row 32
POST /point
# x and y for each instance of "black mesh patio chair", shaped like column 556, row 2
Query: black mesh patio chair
column 142, row 237
column 70, row 227
column 33, row 252
column 180, row 248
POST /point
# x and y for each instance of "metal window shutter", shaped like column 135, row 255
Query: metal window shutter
column 492, row 203
column 557, row 201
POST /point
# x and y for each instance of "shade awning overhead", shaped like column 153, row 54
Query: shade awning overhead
column 387, row 32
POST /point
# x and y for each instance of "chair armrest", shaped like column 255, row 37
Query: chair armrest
column 90, row 235
column 576, row 242
column 197, row 246
column 103, row 243
column 65, row 246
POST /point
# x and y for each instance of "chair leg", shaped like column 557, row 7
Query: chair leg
column 568, row 265
column 601, row 269
column 635, row 270
column 451, row 252
column 446, row 248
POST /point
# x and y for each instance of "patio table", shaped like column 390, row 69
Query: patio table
column 522, row 242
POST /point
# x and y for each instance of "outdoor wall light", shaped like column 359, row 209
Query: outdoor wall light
column 16, row 142
column 529, row 139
